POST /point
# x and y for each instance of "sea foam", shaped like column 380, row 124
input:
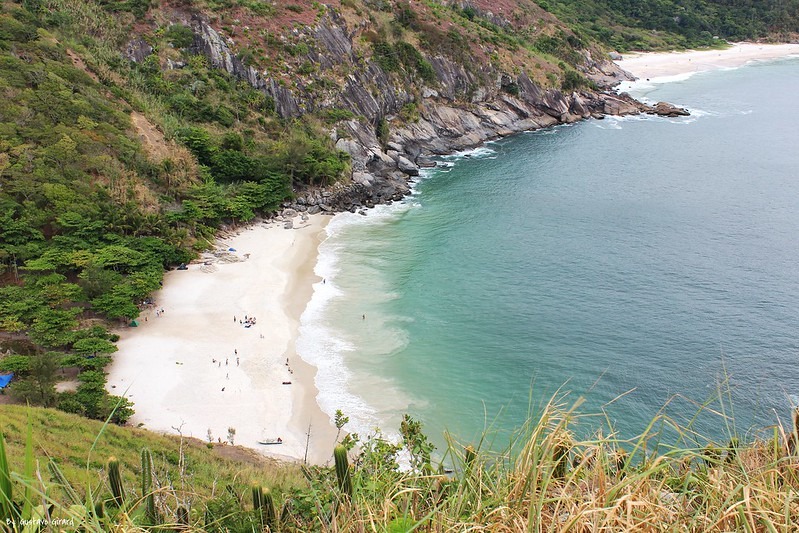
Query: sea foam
column 328, row 346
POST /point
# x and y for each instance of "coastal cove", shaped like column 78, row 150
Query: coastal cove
column 397, row 265
column 378, row 348
column 639, row 258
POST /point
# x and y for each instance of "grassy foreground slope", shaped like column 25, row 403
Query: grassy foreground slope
column 81, row 448
column 546, row 480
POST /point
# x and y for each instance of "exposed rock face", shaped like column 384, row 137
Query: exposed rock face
column 665, row 109
column 604, row 72
column 208, row 42
column 464, row 108
column 137, row 50
column 407, row 167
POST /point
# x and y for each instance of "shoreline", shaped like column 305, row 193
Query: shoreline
column 656, row 65
column 191, row 369
column 165, row 366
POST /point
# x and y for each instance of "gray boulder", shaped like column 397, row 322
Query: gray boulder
column 407, row 167
column 664, row 109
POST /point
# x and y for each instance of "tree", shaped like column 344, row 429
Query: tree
column 340, row 421
column 53, row 327
column 121, row 409
column 16, row 363
column 95, row 280
column 199, row 142
column 91, row 394
column 93, row 346
column 118, row 303
column 416, row 443
column 38, row 387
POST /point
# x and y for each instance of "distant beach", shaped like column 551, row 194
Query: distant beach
column 652, row 65
column 194, row 366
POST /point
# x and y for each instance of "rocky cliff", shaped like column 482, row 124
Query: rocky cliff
column 397, row 120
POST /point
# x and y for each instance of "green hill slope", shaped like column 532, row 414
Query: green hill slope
column 82, row 447
column 659, row 24
column 198, row 476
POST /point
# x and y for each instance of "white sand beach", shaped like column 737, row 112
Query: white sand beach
column 195, row 368
column 664, row 64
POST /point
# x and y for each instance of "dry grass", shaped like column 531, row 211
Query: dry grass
column 550, row 481
column 546, row 480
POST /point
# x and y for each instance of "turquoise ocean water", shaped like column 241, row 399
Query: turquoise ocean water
column 647, row 256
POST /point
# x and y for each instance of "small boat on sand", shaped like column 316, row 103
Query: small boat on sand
column 271, row 441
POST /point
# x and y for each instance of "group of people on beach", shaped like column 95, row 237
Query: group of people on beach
column 158, row 312
column 248, row 321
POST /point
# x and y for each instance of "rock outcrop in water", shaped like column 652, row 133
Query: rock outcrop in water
column 462, row 108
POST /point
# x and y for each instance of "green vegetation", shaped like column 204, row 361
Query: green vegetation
column 545, row 479
column 93, row 207
column 179, row 36
column 658, row 24
column 140, row 471
column 402, row 55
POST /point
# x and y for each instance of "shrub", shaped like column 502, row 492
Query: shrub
column 573, row 81
column 224, row 116
column 198, row 141
column 511, row 88
column 306, row 68
column 333, row 115
column 385, row 56
column 231, row 165
column 180, row 36
column 382, row 131
column 409, row 112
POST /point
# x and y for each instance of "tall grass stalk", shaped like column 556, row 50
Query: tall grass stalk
column 547, row 478
column 6, row 495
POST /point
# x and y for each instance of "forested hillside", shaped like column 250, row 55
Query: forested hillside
column 96, row 200
column 131, row 131
column 657, row 24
